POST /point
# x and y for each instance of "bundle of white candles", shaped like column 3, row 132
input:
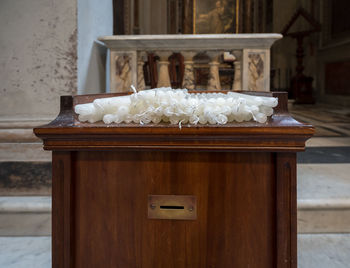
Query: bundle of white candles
column 177, row 106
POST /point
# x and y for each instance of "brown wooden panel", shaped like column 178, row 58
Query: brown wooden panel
column 62, row 213
column 236, row 219
column 245, row 189
column 286, row 210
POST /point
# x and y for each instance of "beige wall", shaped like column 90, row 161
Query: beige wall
column 38, row 63
column 38, row 56
column 95, row 19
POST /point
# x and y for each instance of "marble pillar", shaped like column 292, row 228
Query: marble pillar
column 123, row 71
column 141, row 57
column 214, row 78
column 188, row 80
column 237, row 81
column 163, row 69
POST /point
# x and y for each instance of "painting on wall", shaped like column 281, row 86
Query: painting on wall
column 215, row 17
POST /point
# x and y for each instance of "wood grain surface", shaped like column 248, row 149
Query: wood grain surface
column 243, row 177
column 236, row 210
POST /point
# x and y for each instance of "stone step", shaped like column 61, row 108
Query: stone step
column 323, row 198
column 314, row 251
column 31, row 216
column 324, row 216
column 323, row 204
column 25, row 216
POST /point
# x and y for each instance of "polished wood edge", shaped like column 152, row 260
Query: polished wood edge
column 178, row 145
column 62, row 209
column 174, row 148
column 175, row 130
column 178, row 142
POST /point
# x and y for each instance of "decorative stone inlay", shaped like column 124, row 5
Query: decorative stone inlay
column 141, row 57
column 256, row 69
column 123, row 71
column 237, row 81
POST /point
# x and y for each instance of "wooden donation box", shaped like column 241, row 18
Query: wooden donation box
column 160, row 196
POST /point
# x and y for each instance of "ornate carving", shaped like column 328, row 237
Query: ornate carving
column 123, row 79
column 256, row 71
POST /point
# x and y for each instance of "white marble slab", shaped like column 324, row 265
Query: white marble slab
column 323, row 181
column 25, row 204
column 25, row 216
column 328, row 142
column 182, row 42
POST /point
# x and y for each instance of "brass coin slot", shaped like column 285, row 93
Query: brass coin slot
column 172, row 207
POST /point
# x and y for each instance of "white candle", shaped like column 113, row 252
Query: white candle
column 178, row 107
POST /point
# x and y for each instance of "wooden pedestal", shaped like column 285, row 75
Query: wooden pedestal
column 242, row 175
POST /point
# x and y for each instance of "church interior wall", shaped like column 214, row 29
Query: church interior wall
column 38, row 64
column 37, row 56
column 283, row 52
column 95, row 18
column 317, row 52
column 335, row 53
column 46, row 52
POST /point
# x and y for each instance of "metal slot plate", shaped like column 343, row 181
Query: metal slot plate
column 172, row 207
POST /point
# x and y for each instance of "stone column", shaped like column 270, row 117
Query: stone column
column 163, row 70
column 141, row 85
column 214, row 79
column 237, row 81
column 188, row 80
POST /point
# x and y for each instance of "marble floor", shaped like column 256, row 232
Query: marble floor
column 25, row 252
column 324, row 251
column 329, row 120
column 314, row 251
column 323, row 181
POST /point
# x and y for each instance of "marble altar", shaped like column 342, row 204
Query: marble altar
column 252, row 53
